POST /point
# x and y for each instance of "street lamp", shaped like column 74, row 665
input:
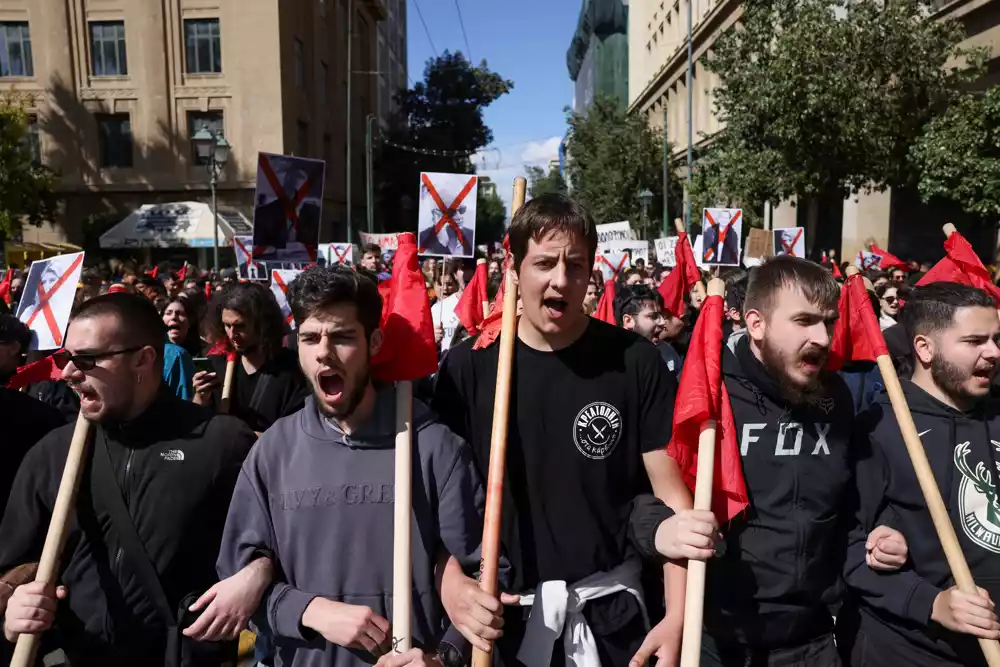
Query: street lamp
column 645, row 197
column 213, row 149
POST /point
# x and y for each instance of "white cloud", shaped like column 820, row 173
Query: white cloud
column 541, row 152
column 506, row 163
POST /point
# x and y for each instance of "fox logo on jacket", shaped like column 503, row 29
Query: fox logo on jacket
column 597, row 430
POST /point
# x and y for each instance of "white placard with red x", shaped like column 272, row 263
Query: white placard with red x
column 280, row 280
column 48, row 299
column 611, row 264
column 867, row 261
column 337, row 253
column 447, row 214
column 247, row 268
column 790, row 241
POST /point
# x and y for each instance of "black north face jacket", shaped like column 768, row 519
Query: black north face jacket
column 779, row 572
column 893, row 609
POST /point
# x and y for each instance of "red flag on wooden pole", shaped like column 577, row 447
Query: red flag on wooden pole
column 681, row 279
column 606, row 306
column 961, row 265
column 888, row 261
column 470, row 306
column 856, row 336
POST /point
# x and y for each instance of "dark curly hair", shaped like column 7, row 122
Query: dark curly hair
column 318, row 288
column 256, row 303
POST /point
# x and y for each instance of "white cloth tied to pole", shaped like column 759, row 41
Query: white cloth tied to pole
column 556, row 606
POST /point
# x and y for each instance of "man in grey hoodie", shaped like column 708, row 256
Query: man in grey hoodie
column 316, row 496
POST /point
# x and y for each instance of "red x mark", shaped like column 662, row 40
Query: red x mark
column 710, row 252
column 291, row 206
column 44, row 298
column 276, row 277
column 871, row 263
column 790, row 248
column 341, row 256
column 615, row 271
column 447, row 213
column 246, row 252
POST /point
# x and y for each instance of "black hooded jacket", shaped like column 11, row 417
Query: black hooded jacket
column 780, row 570
column 893, row 609
column 175, row 465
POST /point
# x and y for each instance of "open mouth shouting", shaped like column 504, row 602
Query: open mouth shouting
column 331, row 386
column 554, row 308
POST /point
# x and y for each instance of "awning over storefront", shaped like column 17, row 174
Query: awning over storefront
column 177, row 225
column 22, row 254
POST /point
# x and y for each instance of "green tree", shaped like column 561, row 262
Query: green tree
column 27, row 189
column 959, row 155
column 612, row 158
column 491, row 214
column 826, row 97
column 540, row 183
column 439, row 126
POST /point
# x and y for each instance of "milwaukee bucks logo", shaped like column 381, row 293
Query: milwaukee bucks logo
column 977, row 498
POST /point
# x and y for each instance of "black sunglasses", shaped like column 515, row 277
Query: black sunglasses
column 889, row 299
column 87, row 361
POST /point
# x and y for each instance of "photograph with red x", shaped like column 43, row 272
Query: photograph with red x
column 288, row 207
column 790, row 241
column 48, row 299
column 337, row 253
column 447, row 222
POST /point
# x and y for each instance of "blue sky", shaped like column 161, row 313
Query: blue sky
column 524, row 41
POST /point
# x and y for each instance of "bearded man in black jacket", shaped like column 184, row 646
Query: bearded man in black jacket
column 916, row 616
column 173, row 465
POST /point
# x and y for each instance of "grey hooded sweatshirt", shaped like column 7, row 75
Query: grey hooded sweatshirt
column 321, row 504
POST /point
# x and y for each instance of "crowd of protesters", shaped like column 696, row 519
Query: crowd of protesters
column 193, row 526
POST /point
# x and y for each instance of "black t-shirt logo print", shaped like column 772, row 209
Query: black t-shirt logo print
column 597, row 429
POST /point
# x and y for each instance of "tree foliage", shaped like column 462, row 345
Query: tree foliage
column 491, row 215
column 826, row 97
column 540, row 183
column 959, row 155
column 613, row 157
column 27, row 189
column 441, row 114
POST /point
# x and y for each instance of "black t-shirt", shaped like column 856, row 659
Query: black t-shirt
column 580, row 420
column 276, row 390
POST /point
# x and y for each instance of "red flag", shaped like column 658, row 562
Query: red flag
column 705, row 397
column 961, row 265
column 606, row 306
column 182, row 274
column 681, row 279
column 490, row 328
column 470, row 304
column 39, row 371
column 5, row 287
column 836, row 272
column 888, row 261
column 152, row 273
column 408, row 349
column 208, row 290
column 856, row 336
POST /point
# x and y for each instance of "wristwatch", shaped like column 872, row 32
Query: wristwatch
column 449, row 655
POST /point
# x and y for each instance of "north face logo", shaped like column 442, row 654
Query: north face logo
column 172, row 455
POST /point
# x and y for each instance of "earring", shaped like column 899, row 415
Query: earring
column 138, row 379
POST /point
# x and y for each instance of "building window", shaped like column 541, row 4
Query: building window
column 115, row 133
column 15, row 49
column 107, row 48
column 324, row 78
column 204, row 46
column 302, row 139
column 300, row 64
column 211, row 121
column 33, row 141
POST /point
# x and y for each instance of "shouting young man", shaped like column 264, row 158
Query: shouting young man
column 316, row 495
column 591, row 411
column 917, row 616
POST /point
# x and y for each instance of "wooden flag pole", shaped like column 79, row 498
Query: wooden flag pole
column 960, row 571
column 55, row 539
column 402, row 572
column 490, row 569
column 486, row 304
column 227, row 384
column 694, row 599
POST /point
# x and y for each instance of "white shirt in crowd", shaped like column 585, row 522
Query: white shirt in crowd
column 443, row 314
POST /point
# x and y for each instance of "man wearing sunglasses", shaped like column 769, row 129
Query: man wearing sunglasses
column 152, row 504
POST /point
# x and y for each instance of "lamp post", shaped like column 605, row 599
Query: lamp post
column 645, row 197
column 213, row 149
